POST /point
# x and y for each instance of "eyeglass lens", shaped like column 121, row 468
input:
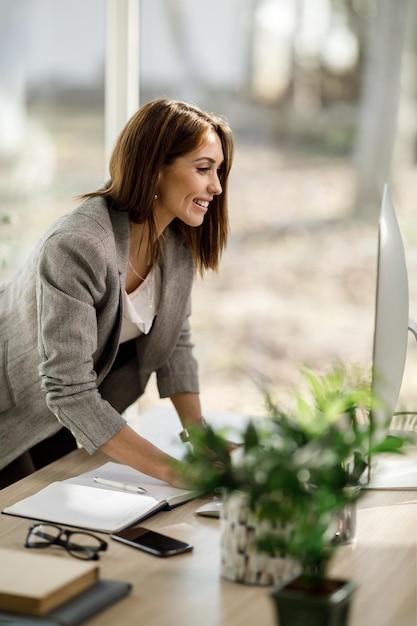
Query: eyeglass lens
column 79, row 544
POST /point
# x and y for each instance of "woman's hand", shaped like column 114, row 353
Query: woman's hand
column 129, row 448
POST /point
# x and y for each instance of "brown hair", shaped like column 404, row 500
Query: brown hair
column 159, row 132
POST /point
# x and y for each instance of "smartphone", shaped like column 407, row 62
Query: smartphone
column 151, row 541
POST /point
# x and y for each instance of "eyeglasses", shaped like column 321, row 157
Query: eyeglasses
column 79, row 544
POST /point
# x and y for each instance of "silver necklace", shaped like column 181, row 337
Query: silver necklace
column 134, row 271
column 143, row 279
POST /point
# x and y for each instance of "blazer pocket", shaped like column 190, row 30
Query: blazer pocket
column 20, row 380
column 7, row 400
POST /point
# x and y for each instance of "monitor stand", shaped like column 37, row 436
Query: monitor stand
column 412, row 327
column 396, row 471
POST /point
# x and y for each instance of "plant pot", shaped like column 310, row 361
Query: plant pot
column 241, row 561
column 323, row 602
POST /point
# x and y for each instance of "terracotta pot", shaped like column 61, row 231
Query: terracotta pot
column 241, row 561
column 302, row 601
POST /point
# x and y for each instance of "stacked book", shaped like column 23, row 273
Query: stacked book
column 46, row 590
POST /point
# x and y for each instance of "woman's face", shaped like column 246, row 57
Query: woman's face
column 187, row 186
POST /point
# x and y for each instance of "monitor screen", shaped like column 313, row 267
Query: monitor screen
column 391, row 319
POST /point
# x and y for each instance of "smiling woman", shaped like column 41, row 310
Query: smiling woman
column 105, row 299
column 188, row 185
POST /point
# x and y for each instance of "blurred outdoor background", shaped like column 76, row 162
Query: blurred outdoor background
column 322, row 98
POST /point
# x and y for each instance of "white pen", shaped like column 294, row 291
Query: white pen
column 116, row 485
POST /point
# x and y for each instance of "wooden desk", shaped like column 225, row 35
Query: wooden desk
column 187, row 589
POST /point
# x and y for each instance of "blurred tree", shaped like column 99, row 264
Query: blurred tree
column 378, row 112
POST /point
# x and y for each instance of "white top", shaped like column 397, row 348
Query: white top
column 141, row 306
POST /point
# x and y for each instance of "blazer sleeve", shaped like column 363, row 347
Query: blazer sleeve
column 77, row 285
column 180, row 372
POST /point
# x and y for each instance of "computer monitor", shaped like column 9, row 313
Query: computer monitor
column 391, row 327
column 391, row 318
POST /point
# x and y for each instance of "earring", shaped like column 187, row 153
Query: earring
column 156, row 196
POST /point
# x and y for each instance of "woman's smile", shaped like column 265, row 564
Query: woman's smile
column 203, row 204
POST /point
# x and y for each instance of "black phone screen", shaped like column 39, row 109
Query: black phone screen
column 151, row 541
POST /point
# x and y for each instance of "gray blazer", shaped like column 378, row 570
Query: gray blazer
column 60, row 320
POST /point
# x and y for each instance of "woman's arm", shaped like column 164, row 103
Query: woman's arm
column 188, row 407
column 129, row 448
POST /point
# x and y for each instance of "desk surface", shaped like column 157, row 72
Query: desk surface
column 177, row 590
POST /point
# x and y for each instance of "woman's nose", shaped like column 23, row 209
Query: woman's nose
column 215, row 186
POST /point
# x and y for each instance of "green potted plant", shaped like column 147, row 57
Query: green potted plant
column 293, row 474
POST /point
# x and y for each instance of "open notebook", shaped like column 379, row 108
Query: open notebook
column 83, row 503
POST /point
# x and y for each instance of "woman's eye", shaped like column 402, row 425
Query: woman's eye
column 203, row 170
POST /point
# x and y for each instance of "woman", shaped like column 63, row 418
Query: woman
column 104, row 300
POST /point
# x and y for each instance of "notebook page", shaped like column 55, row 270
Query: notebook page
column 86, row 507
column 155, row 488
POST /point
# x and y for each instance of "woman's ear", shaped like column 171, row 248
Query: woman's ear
column 158, row 180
